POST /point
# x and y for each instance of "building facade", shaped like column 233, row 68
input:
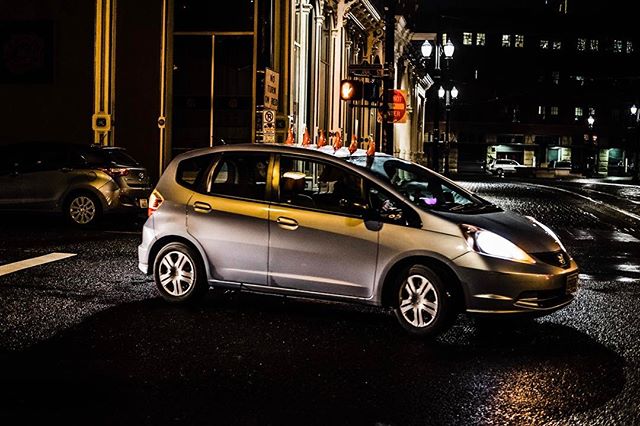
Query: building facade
column 530, row 76
column 159, row 77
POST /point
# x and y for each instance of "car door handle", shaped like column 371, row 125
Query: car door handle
column 287, row 223
column 201, row 207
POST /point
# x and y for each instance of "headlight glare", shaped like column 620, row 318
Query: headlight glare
column 494, row 245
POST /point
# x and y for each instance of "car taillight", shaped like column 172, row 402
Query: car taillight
column 116, row 171
column 154, row 202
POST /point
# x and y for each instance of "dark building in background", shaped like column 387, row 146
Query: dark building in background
column 530, row 74
column 159, row 77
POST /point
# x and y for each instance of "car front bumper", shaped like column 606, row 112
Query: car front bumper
column 496, row 286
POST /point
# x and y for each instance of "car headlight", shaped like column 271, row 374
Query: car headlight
column 492, row 244
column 548, row 230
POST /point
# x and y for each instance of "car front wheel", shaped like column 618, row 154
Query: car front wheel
column 179, row 274
column 422, row 305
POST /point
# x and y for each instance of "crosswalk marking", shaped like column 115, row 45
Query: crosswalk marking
column 35, row 261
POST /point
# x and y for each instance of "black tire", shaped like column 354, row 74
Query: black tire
column 500, row 173
column 434, row 305
column 170, row 272
column 82, row 209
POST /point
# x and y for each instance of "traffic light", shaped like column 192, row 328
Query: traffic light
column 350, row 90
column 370, row 91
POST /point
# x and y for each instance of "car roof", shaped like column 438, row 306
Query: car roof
column 309, row 152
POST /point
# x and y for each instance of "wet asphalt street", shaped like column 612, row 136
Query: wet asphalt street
column 87, row 340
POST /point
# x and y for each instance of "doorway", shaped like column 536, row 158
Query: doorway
column 212, row 90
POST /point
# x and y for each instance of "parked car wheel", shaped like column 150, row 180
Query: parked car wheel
column 179, row 274
column 499, row 172
column 83, row 209
column 422, row 306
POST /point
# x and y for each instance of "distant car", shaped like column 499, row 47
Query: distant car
column 554, row 164
column 81, row 181
column 356, row 227
column 502, row 166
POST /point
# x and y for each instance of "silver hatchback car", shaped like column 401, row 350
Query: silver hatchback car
column 371, row 229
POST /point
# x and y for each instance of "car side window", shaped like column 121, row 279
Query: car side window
column 242, row 175
column 318, row 185
column 390, row 209
column 191, row 171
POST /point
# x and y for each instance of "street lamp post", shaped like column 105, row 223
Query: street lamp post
column 636, row 167
column 447, row 51
column 592, row 146
column 448, row 95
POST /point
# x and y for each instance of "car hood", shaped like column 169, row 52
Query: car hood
column 512, row 226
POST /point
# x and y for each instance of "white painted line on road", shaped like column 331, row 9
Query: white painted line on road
column 35, row 261
column 619, row 210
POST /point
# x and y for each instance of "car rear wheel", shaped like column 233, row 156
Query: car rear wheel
column 500, row 173
column 83, row 209
column 179, row 274
column 422, row 306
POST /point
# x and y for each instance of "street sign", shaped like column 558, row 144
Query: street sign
column 397, row 106
column 269, row 126
column 271, row 84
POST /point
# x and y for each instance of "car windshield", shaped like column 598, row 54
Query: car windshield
column 421, row 187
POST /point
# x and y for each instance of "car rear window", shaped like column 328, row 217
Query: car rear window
column 119, row 157
column 191, row 170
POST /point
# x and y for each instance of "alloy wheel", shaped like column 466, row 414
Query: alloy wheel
column 82, row 210
column 176, row 273
column 418, row 301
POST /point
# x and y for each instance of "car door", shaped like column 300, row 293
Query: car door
column 45, row 176
column 318, row 242
column 229, row 215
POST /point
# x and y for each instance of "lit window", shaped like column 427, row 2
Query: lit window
column 582, row 44
column 617, row 46
column 555, row 76
column 557, row 45
column 594, row 45
column 544, row 44
column 580, row 79
column 519, row 40
column 467, row 39
column 554, row 110
column 506, row 40
column 444, row 38
column 481, row 39
column 579, row 112
column 629, row 46
column 541, row 110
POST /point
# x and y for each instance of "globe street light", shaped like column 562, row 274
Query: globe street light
column 590, row 121
column 426, row 49
column 449, row 48
column 439, row 50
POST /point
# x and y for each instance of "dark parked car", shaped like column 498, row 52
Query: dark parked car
column 81, row 181
column 555, row 164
